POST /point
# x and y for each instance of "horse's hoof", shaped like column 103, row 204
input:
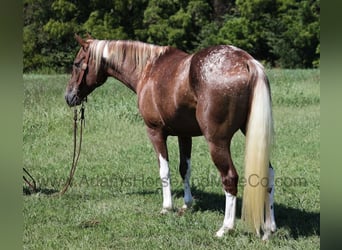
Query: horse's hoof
column 269, row 233
column 165, row 210
column 186, row 206
column 266, row 236
column 222, row 231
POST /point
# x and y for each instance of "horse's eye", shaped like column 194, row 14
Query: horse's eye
column 77, row 64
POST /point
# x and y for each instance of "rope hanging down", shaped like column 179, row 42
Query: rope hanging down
column 32, row 182
column 76, row 154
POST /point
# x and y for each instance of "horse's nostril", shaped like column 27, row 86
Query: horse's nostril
column 71, row 99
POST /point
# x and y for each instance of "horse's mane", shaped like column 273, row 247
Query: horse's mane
column 117, row 52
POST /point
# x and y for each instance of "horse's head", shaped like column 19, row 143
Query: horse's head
column 85, row 77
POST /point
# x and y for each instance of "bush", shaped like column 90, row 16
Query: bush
column 280, row 33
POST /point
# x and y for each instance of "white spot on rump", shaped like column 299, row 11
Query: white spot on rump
column 217, row 65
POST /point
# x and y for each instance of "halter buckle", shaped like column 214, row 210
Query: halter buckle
column 84, row 66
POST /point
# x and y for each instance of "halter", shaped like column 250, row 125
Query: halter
column 83, row 67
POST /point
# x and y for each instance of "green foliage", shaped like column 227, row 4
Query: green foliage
column 175, row 23
column 282, row 33
column 105, row 26
column 296, row 42
column 236, row 31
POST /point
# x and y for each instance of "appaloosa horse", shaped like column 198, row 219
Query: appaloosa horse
column 214, row 92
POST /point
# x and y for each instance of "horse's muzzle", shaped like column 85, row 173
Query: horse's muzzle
column 72, row 99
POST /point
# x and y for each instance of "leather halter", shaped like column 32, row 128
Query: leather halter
column 83, row 67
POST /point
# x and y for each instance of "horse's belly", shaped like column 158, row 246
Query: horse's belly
column 183, row 123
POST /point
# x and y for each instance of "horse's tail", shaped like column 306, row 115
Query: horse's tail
column 258, row 144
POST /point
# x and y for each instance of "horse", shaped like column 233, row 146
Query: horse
column 212, row 93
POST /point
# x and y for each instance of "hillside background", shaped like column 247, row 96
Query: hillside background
column 280, row 33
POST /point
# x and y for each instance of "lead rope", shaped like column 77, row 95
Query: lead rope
column 75, row 156
column 31, row 183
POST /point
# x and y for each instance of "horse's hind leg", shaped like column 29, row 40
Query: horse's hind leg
column 270, row 225
column 185, row 168
column 219, row 121
column 220, row 154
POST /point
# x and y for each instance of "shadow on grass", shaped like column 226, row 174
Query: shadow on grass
column 28, row 191
column 300, row 223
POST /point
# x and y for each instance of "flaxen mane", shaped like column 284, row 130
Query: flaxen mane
column 117, row 53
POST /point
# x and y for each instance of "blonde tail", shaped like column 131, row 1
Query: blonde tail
column 258, row 144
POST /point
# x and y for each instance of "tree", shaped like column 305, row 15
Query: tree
column 35, row 15
column 296, row 44
column 283, row 33
column 176, row 23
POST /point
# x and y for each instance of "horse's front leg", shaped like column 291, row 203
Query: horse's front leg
column 158, row 139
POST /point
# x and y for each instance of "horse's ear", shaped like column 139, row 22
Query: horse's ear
column 89, row 36
column 83, row 43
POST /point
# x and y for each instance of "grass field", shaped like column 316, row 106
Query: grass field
column 115, row 199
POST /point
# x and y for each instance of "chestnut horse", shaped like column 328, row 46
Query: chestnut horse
column 214, row 92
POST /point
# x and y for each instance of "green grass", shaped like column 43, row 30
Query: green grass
column 115, row 200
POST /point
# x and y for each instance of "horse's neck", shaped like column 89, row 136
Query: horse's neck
column 127, row 60
column 130, row 80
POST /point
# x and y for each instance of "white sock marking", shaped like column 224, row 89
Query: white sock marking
column 270, row 225
column 164, row 173
column 187, row 190
column 229, row 215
